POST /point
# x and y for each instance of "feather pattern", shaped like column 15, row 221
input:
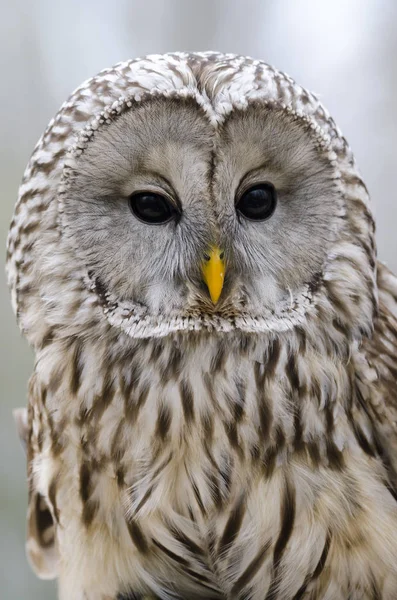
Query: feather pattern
column 207, row 454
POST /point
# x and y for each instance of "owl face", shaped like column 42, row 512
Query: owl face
column 182, row 216
column 191, row 192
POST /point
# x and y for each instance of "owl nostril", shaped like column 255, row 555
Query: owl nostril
column 207, row 257
column 222, row 255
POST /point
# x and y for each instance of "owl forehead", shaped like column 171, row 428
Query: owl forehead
column 219, row 84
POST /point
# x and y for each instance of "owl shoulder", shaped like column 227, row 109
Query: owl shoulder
column 381, row 348
column 375, row 390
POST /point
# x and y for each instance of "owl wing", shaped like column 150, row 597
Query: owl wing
column 41, row 546
column 376, row 377
column 381, row 349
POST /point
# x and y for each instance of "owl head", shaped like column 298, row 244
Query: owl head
column 191, row 192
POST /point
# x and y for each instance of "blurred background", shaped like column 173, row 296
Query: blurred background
column 344, row 50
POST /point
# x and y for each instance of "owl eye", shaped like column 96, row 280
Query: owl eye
column 151, row 208
column 258, row 203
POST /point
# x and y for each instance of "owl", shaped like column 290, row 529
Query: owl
column 213, row 408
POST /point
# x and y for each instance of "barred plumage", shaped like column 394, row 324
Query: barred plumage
column 181, row 449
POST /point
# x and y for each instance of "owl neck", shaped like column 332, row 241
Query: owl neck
column 258, row 397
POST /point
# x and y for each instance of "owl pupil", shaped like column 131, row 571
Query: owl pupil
column 151, row 208
column 258, row 203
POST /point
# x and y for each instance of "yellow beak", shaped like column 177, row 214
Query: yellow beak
column 213, row 269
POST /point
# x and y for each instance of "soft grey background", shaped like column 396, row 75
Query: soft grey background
column 344, row 50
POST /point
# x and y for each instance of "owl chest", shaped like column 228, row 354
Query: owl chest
column 187, row 444
column 180, row 439
column 192, row 471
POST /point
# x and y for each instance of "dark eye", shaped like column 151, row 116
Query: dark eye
column 151, row 208
column 258, row 203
